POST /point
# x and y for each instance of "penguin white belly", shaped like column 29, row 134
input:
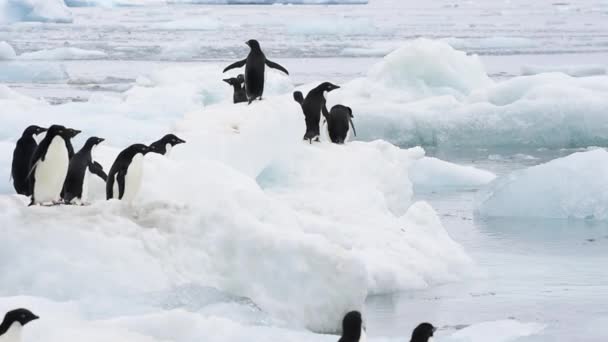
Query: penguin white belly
column 85, row 187
column 324, row 130
column 50, row 173
column 349, row 134
column 133, row 178
column 363, row 337
column 13, row 334
column 115, row 193
column 168, row 149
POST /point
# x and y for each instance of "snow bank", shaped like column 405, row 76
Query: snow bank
column 490, row 43
column 34, row 10
column 570, row 187
column 302, row 233
column 572, row 70
column 28, row 72
column 496, row 331
column 426, row 93
column 63, row 53
column 432, row 174
column 6, row 51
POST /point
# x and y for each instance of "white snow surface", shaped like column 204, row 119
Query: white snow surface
column 63, row 53
column 572, row 70
column 245, row 208
column 571, row 187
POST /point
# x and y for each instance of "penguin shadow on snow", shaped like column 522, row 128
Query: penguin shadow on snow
column 336, row 124
column 255, row 66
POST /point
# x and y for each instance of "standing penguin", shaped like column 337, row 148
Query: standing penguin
column 313, row 105
column 124, row 178
column 240, row 95
column 423, row 332
column 22, row 156
column 49, row 166
column 255, row 65
column 75, row 187
column 165, row 144
column 353, row 329
column 14, row 321
column 338, row 124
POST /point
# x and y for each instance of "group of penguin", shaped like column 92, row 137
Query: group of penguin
column 250, row 86
column 353, row 329
column 51, row 173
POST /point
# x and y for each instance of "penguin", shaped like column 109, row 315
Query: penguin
column 338, row 123
column 313, row 105
column 423, row 332
column 124, row 178
column 255, row 65
column 49, row 166
column 166, row 143
column 22, row 156
column 240, row 95
column 75, row 187
column 14, row 321
column 353, row 329
column 72, row 133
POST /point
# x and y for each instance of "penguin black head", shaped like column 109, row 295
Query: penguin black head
column 94, row 141
column 235, row 80
column 72, row 132
column 23, row 316
column 423, row 332
column 327, row 86
column 240, row 78
column 33, row 130
column 171, row 139
column 57, row 130
column 253, row 44
column 351, row 327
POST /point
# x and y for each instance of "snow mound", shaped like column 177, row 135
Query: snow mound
column 64, row 53
column 575, row 186
column 427, row 67
column 27, row 72
column 572, row 70
column 431, row 174
column 34, row 10
column 6, row 51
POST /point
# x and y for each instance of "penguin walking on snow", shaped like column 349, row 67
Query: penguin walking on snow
column 125, row 176
column 75, row 187
column 338, row 124
column 49, row 166
column 255, row 65
column 353, row 329
column 313, row 105
column 240, row 95
column 165, row 144
column 22, row 156
column 14, row 321
column 423, row 332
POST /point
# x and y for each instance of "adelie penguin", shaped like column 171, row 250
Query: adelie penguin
column 22, row 156
column 255, row 65
column 49, row 166
column 125, row 176
column 165, row 144
column 240, row 95
column 13, row 323
column 423, row 332
column 313, row 106
column 353, row 329
column 338, row 124
column 75, row 187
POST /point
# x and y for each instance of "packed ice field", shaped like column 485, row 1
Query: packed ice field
column 473, row 197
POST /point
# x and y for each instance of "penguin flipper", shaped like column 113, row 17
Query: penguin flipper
column 298, row 97
column 276, row 66
column 234, row 65
column 120, row 179
column 353, row 126
column 97, row 169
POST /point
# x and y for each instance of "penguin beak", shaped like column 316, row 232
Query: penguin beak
column 335, row 87
column 74, row 132
column 247, row 44
column 180, row 141
column 227, row 80
column 101, row 140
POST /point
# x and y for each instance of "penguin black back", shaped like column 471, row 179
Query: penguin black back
column 423, row 332
column 160, row 146
column 79, row 164
column 255, row 65
column 313, row 105
column 21, row 316
column 339, row 122
column 22, row 156
column 351, row 327
column 237, row 83
column 118, row 171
